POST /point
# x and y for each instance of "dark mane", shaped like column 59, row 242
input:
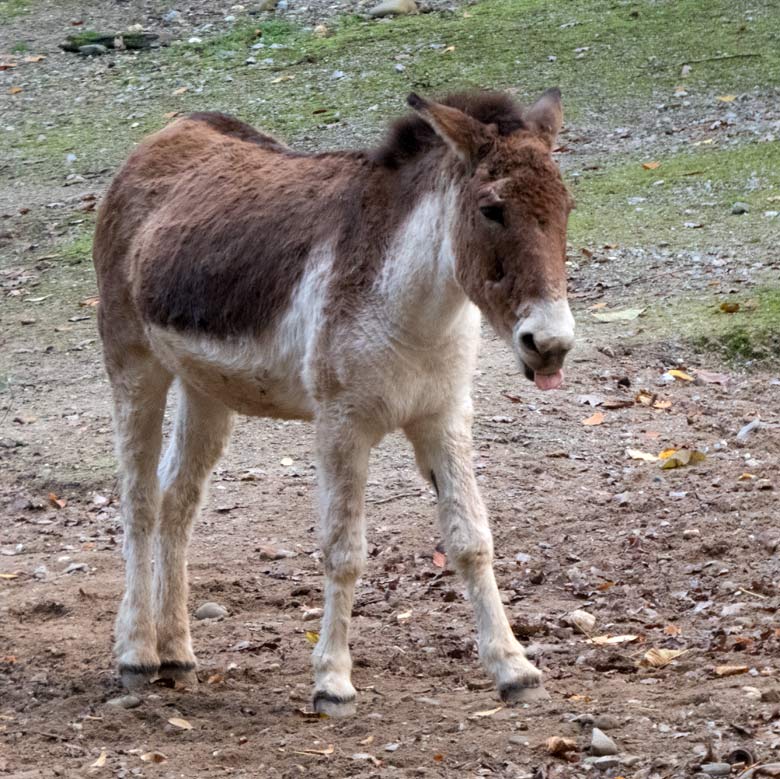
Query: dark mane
column 411, row 136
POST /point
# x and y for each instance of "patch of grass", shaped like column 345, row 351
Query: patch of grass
column 11, row 8
column 626, row 203
column 745, row 338
column 20, row 47
column 79, row 249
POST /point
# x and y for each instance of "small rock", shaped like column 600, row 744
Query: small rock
column 602, row 763
column 73, row 567
column 93, row 50
column 716, row 769
column 274, row 553
column 601, row 744
column 400, row 68
column 125, row 701
column 740, row 208
column 391, row 747
column 172, row 17
column 310, row 614
column 211, row 611
column 771, row 696
column 582, row 620
column 393, row 8
column 337, row 74
column 606, row 722
column 518, row 740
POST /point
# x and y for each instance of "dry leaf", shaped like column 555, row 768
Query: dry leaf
column 666, row 454
column 35, row 58
column 555, row 745
column 658, row 658
column 439, row 559
column 101, row 761
column 180, row 723
column 448, row 49
column 171, row 114
column 624, row 315
column 9, row 575
column 672, row 630
column 594, row 419
column 727, row 98
column 662, row 404
column 7, row 65
column 730, row 670
column 746, row 477
column 215, row 679
column 404, row 616
column 15, row 90
column 180, row 90
column 438, row 758
column 681, row 375
column 485, row 713
column 327, row 751
column 366, row 741
column 728, row 307
column 636, row 454
column 708, row 377
column 651, row 165
column 312, row 636
column 683, row 457
column 90, row 302
column 154, row 757
column 59, row 503
column 609, row 640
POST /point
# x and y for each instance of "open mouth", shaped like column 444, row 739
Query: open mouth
column 544, row 381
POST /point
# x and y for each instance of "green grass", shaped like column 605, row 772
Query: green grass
column 698, row 188
column 20, row 47
column 12, row 8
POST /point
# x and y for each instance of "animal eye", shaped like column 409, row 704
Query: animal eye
column 495, row 213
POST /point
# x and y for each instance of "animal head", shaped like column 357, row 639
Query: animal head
column 509, row 236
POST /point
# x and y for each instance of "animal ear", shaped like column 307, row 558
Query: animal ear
column 462, row 133
column 545, row 116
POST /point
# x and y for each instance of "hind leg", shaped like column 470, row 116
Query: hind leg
column 140, row 385
column 201, row 431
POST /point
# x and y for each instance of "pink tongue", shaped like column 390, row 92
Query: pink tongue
column 549, row 381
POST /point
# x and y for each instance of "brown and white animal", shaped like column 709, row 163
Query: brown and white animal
column 343, row 288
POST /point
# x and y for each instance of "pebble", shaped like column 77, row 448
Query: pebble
column 73, row 567
column 601, row 744
column 393, row 8
column 391, row 747
column 92, row 50
column 125, row 701
column 581, row 619
column 740, row 208
column 716, row 769
column 211, row 611
column 518, row 740
column 606, row 722
column 602, row 763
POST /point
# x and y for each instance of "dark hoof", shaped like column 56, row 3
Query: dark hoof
column 333, row 705
column 135, row 676
column 518, row 693
column 178, row 671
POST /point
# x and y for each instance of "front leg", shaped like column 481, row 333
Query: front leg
column 443, row 449
column 342, row 467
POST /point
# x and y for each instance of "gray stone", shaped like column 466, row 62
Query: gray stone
column 518, row 740
column 93, row 50
column 601, row 744
column 211, row 611
column 606, row 722
column 393, row 8
column 125, row 701
column 740, row 208
column 603, row 763
column 716, row 769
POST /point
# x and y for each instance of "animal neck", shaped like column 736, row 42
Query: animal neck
column 421, row 301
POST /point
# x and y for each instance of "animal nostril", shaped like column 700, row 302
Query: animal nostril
column 529, row 342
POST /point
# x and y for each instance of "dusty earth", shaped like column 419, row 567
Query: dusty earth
column 682, row 560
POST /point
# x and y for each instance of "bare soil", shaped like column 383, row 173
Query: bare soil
column 681, row 559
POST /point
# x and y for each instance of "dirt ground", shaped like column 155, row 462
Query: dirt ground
column 677, row 560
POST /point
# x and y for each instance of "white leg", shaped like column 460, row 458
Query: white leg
column 140, row 386
column 343, row 465
column 443, row 448
column 201, row 431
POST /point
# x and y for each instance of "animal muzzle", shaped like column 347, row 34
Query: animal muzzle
column 542, row 339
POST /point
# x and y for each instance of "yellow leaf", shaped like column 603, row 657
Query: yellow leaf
column 101, row 761
column 681, row 375
column 746, row 477
column 9, row 575
column 651, row 165
column 595, row 419
column 672, row 630
column 180, row 90
column 683, row 457
column 636, row 454
column 730, row 670
column 556, row 745
column 727, row 98
column 180, row 723
column 662, row 404
column 727, row 307
column 658, row 658
column 666, row 454
column 312, row 636
column 14, row 90
column 486, row 712
column 35, row 58
column 609, row 640
column 327, row 751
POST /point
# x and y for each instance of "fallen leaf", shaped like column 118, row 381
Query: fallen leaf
column 618, row 403
column 279, row 79
column 485, row 713
column 672, row 630
column 35, row 58
column 594, row 419
column 658, row 658
column 404, row 616
column 101, row 761
column 180, row 723
column 662, row 404
column 366, row 741
column 15, row 90
column 9, row 575
column 730, row 670
column 651, row 165
column 154, row 757
column 8, row 659
column 180, row 90
column 708, row 377
column 727, row 98
column 623, row 315
column 448, row 49
column 438, row 758
column 171, row 114
column 636, row 454
column 746, row 477
column 555, row 745
column 682, row 458
column 215, row 679
column 59, row 503
column 609, row 640
column 666, row 454
column 439, row 559
column 90, row 302
column 729, row 307
column 327, row 751
column 7, row 65
column 681, row 375
column 590, row 400
column 312, row 636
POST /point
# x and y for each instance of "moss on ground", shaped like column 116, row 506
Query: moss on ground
column 626, row 203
